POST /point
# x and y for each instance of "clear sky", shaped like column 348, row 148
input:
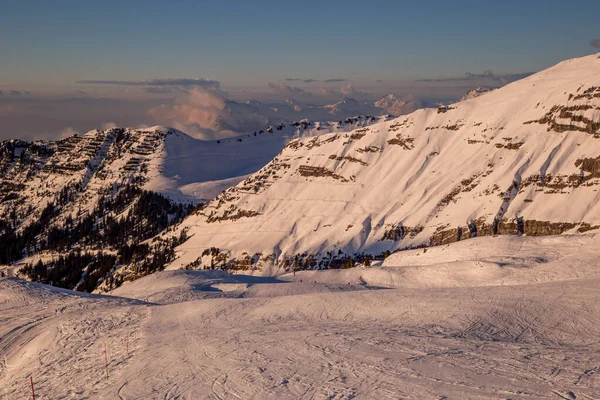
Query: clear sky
column 266, row 48
column 240, row 42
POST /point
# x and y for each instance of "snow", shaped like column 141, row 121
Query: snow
column 190, row 168
column 480, row 91
column 528, row 333
column 430, row 171
column 168, row 161
column 485, row 318
column 400, row 106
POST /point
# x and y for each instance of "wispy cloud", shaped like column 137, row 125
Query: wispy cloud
column 595, row 43
column 15, row 93
column 301, row 80
column 485, row 76
column 350, row 90
column 196, row 112
column 286, row 90
column 158, row 89
column 310, row 80
column 6, row 109
column 67, row 132
column 184, row 82
column 109, row 125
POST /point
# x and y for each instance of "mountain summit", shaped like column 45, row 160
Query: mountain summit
column 521, row 159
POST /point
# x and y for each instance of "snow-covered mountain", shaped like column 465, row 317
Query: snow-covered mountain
column 242, row 117
column 480, row 91
column 521, row 159
column 524, row 158
column 76, row 202
column 391, row 104
column 159, row 159
column 346, row 106
column 107, row 189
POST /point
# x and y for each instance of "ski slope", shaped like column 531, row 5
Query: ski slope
column 529, row 333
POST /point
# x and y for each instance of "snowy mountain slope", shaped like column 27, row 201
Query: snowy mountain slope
column 77, row 170
column 70, row 206
column 321, row 334
column 233, row 118
column 480, row 91
column 163, row 159
column 197, row 169
column 529, row 150
column 106, row 192
column 482, row 261
column 393, row 105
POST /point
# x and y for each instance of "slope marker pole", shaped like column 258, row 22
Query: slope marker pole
column 32, row 390
column 106, row 360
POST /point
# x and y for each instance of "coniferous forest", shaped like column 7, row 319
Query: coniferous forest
column 92, row 245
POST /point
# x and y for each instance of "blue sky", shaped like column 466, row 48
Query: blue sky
column 55, row 53
column 245, row 42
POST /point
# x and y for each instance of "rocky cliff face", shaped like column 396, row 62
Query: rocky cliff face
column 523, row 158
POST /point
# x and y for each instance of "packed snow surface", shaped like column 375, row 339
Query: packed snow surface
column 489, row 318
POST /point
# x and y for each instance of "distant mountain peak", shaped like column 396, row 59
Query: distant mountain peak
column 480, row 91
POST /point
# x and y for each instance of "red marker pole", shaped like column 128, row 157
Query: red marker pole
column 32, row 390
column 106, row 360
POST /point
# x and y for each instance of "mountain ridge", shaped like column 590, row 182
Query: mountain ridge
column 88, row 203
column 315, row 195
column 505, row 162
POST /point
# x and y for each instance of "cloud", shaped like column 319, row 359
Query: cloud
column 108, row 125
column 80, row 93
column 286, row 90
column 298, row 93
column 333, row 80
column 301, row 80
column 1, row 94
column 67, row 132
column 349, row 90
column 196, row 112
column 326, row 92
column 15, row 93
column 485, row 76
column 158, row 89
column 183, row 82
column 160, row 86
column 595, row 43
column 6, row 109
